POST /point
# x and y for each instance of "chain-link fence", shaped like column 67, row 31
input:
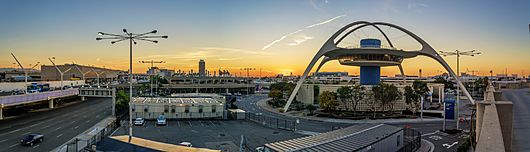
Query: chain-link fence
column 411, row 140
column 271, row 122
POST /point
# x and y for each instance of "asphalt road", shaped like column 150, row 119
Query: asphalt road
column 58, row 125
column 521, row 117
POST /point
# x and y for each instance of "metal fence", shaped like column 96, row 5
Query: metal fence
column 271, row 122
column 411, row 140
column 31, row 97
column 86, row 142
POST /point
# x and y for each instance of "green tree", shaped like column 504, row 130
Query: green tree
column 276, row 96
column 345, row 94
column 386, row 95
column 122, row 101
column 328, row 100
column 357, row 96
column 419, row 91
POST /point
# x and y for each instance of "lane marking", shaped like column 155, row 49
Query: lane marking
column 36, row 146
column 57, row 128
column 14, row 131
column 46, row 126
column 13, row 145
column 76, row 127
column 87, row 121
column 59, row 135
column 3, row 140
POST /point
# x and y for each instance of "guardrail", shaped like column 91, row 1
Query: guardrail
column 271, row 122
column 32, row 97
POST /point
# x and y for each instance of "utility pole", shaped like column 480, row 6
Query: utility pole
column 458, row 54
column 248, row 69
column 131, row 37
column 26, row 71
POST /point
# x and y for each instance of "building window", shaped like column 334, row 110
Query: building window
column 173, row 107
column 214, row 108
column 200, row 108
column 166, row 108
column 187, row 109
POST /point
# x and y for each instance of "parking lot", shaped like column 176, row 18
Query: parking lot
column 214, row 134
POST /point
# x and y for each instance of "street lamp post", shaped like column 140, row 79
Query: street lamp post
column 131, row 37
column 60, row 72
column 26, row 71
column 458, row 54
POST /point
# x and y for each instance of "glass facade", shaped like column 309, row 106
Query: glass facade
column 370, row 57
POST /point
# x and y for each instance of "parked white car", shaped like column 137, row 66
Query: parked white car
column 161, row 120
column 139, row 121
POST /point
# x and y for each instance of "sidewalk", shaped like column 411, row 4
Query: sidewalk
column 263, row 104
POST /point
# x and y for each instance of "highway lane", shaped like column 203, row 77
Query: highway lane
column 58, row 125
column 521, row 117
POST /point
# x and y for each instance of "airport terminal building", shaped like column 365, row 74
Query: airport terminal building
column 178, row 107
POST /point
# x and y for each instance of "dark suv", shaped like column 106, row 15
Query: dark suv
column 31, row 139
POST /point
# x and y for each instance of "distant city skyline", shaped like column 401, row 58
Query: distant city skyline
column 277, row 36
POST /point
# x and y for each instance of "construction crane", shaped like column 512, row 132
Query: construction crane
column 152, row 62
column 152, row 75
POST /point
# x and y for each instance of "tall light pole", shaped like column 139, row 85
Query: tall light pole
column 131, row 37
column 60, row 72
column 458, row 54
column 80, row 71
column 152, row 74
column 97, row 74
column 26, row 71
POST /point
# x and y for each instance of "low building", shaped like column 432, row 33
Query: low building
column 362, row 137
column 177, row 108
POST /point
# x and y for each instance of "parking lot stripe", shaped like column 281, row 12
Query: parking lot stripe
column 3, row 140
column 211, row 122
column 178, row 123
column 190, row 124
column 13, row 145
column 57, row 128
column 76, row 127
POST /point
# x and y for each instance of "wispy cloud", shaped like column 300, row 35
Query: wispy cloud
column 234, row 50
column 300, row 40
column 298, row 31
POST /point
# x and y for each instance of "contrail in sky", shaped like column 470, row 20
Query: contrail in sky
column 300, row 30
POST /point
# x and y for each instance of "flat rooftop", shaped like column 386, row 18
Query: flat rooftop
column 351, row 138
column 161, row 100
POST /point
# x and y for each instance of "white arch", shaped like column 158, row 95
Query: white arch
column 329, row 45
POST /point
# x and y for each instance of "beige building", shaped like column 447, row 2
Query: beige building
column 71, row 72
column 177, row 108
column 309, row 94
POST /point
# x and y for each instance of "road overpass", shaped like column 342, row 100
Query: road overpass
column 14, row 100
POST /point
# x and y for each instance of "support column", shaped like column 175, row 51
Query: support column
column 50, row 103
column 1, row 111
column 114, row 101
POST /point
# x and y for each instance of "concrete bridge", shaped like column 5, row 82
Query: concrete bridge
column 50, row 96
